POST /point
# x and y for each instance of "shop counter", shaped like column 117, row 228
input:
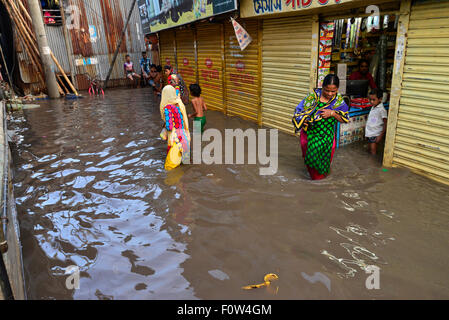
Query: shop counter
column 354, row 130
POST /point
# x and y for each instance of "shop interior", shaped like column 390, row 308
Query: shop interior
column 360, row 50
column 347, row 43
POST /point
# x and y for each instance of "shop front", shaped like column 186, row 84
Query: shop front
column 210, row 64
column 242, row 71
column 167, row 48
column 318, row 38
column 185, row 55
column 286, row 68
column 209, row 54
column 401, row 47
column 418, row 128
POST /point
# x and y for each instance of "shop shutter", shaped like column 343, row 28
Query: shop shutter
column 210, row 66
column 286, row 65
column 242, row 76
column 185, row 54
column 422, row 136
column 167, row 47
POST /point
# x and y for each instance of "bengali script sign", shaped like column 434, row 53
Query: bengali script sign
column 157, row 15
column 253, row 8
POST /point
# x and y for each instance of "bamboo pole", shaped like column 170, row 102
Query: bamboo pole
column 24, row 10
column 29, row 40
column 35, row 63
column 22, row 20
column 62, row 84
column 63, row 73
column 52, row 55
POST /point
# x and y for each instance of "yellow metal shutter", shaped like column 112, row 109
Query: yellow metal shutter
column 422, row 135
column 185, row 52
column 167, row 47
column 286, row 65
column 242, row 76
column 210, row 66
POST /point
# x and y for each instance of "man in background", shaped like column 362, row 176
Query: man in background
column 363, row 74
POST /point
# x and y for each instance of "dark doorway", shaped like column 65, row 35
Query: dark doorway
column 7, row 43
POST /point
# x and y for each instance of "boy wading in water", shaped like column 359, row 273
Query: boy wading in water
column 377, row 121
column 198, row 105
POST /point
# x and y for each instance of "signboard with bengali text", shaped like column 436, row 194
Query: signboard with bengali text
column 255, row 8
column 157, row 15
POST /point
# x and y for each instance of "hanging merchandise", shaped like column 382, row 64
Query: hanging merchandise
column 242, row 36
column 325, row 51
column 374, row 66
column 348, row 33
column 383, row 62
column 376, row 23
column 386, row 21
column 338, row 34
column 359, row 25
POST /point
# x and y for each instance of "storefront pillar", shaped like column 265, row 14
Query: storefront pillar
column 398, row 70
column 314, row 51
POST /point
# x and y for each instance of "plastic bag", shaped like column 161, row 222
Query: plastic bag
column 174, row 157
column 163, row 134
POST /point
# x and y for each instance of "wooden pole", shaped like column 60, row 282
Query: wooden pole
column 35, row 62
column 22, row 20
column 44, row 49
column 63, row 73
column 29, row 38
column 52, row 55
column 62, row 84
column 24, row 10
column 396, row 83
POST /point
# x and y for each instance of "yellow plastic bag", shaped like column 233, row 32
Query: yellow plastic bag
column 267, row 281
column 174, row 157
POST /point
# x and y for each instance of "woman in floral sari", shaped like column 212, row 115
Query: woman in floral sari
column 316, row 118
column 174, row 116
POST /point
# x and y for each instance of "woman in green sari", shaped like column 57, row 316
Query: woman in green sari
column 316, row 118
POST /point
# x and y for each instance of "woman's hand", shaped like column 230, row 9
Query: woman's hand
column 326, row 113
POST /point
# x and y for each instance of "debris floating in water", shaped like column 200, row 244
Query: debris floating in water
column 268, row 279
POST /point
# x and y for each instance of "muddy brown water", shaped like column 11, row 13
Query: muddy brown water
column 91, row 191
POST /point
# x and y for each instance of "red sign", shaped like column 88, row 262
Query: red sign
column 209, row 63
column 240, row 66
column 186, row 61
column 210, row 75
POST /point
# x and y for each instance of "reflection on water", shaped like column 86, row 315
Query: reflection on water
column 92, row 191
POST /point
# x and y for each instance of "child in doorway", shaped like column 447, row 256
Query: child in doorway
column 129, row 69
column 198, row 105
column 376, row 125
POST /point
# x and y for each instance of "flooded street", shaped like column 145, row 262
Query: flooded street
column 91, row 191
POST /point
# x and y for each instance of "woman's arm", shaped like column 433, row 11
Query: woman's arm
column 327, row 113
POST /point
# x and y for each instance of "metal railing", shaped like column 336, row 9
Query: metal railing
column 54, row 18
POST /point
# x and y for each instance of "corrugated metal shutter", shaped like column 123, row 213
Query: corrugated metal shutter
column 422, row 136
column 286, row 65
column 167, row 47
column 210, row 66
column 242, row 76
column 185, row 52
